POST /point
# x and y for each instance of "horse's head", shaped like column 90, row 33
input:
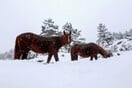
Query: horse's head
column 66, row 38
column 106, row 54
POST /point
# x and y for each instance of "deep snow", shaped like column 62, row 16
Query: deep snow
column 114, row 72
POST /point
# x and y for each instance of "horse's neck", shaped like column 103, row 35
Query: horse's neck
column 62, row 41
column 102, row 51
column 57, row 41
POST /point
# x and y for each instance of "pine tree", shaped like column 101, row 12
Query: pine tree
column 105, row 38
column 117, row 36
column 131, row 32
column 127, row 35
column 49, row 28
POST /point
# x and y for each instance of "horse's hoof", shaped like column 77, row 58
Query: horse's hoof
column 40, row 60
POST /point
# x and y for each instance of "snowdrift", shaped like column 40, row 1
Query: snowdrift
column 114, row 72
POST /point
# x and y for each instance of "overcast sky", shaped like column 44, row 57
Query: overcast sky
column 18, row 16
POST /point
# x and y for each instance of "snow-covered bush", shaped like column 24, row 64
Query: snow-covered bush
column 7, row 55
column 122, row 45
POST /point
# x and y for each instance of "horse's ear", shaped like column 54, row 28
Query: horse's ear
column 70, row 33
column 64, row 32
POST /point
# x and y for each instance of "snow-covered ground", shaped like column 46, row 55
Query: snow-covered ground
column 114, row 72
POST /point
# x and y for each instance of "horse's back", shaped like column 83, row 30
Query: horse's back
column 28, row 35
column 85, row 46
column 85, row 49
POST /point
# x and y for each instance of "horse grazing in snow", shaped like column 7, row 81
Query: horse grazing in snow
column 87, row 50
column 30, row 41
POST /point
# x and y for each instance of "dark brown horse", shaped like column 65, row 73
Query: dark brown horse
column 29, row 41
column 87, row 50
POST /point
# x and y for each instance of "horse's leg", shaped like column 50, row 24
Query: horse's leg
column 25, row 54
column 17, row 55
column 96, row 57
column 91, row 58
column 49, row 57
column 74, row 57
column 56, row 57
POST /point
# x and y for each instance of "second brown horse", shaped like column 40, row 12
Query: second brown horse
column 87, row 50
column 30, row 41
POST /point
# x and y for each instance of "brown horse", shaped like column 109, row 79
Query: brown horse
column 30, row 41
column 87, row 50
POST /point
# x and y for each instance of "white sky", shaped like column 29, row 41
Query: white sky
column 18, row 16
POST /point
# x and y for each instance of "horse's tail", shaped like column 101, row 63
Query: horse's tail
column 103, row 52
column 16, row 50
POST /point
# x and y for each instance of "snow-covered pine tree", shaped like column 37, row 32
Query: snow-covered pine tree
column 105, row 37
column 131, row 32
column 49, row 28
column 117, row 36
column 127, row 35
